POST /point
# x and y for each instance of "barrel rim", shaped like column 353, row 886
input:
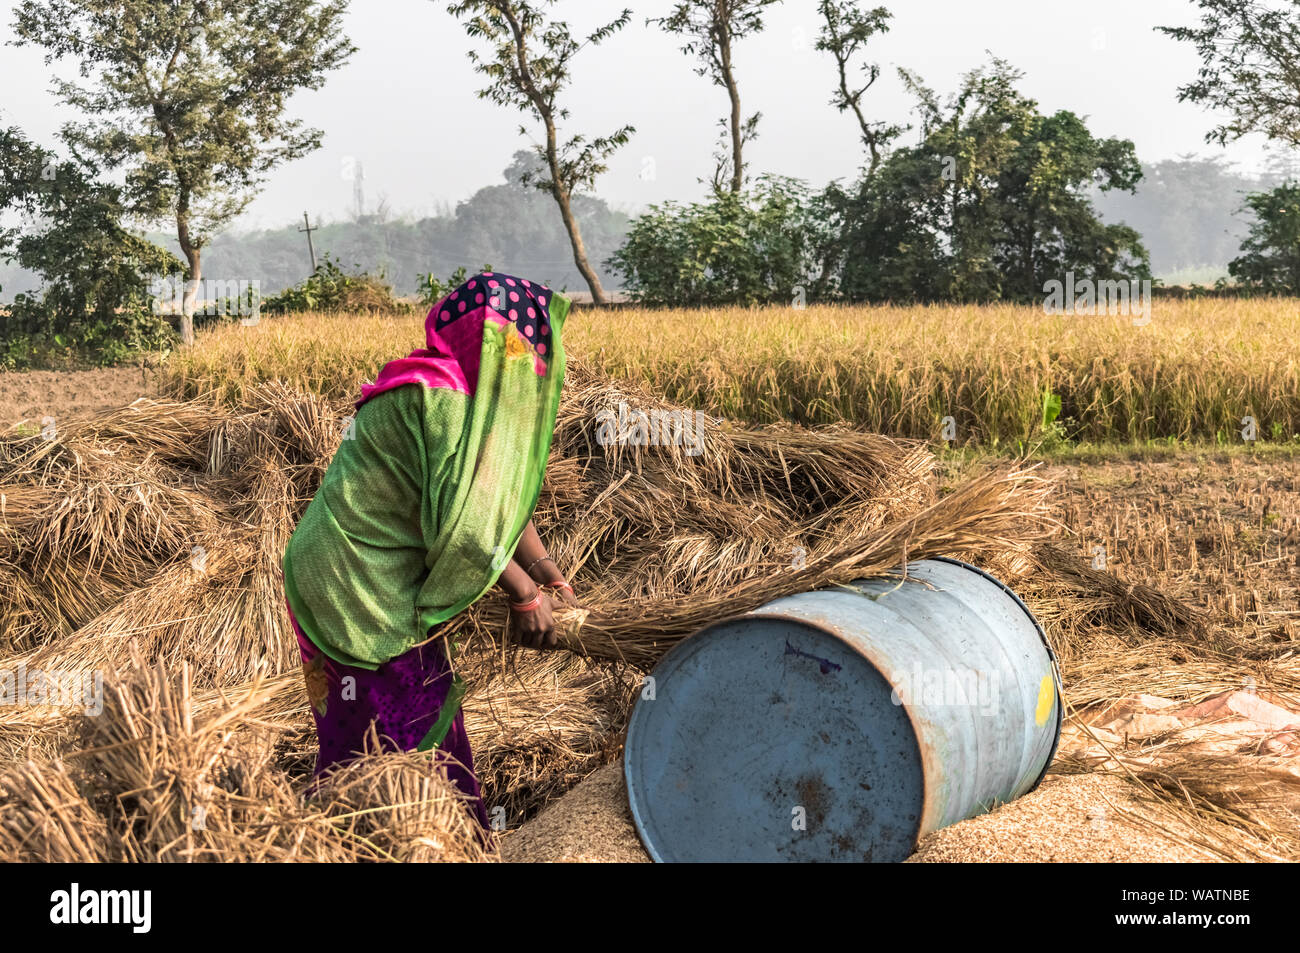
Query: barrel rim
column 915, row 736
column 1051, row 657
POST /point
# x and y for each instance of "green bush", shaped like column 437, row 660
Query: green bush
column 35, row 332
column 431, row 290
column 330, row 288
column 750, row 248
column 1271, row 263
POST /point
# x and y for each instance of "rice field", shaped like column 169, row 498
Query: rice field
column 1200, row 371
column 1178, row 579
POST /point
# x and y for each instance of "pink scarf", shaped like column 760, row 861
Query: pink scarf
column 454, row 334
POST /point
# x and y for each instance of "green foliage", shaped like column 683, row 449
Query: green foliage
column 189, row 96
column 331, row 289
column 96, row 303
column 845, row 32
column 1055, row 430
column 747, row 248
column 1250, row 67
column 704, row 22
column 527, row 66
column 1051, row 408
column 517, row 33
column 710, row 29
column 993, row 202
column 1271, row 260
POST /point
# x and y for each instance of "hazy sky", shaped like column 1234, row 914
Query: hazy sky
column 410, row 81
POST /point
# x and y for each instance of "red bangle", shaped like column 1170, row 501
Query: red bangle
column 528, row 606
column 558, row 585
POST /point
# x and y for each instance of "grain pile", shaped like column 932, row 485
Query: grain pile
column 590, row 824
column 1069, row 819
column 144, row 544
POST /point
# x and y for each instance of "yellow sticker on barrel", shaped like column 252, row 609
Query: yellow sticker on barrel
column 1046, row 696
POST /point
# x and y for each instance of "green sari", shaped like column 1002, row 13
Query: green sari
column 425, row 500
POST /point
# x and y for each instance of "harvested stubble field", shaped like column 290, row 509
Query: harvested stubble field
column 144, row 543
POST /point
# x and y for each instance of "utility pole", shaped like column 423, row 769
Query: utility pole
column 310, row 247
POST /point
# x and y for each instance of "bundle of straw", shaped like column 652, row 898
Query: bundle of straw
column 171, row 780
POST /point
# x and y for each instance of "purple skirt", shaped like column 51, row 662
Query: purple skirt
column 403, row 698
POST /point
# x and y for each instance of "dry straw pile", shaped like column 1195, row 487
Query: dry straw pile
column 145, row 544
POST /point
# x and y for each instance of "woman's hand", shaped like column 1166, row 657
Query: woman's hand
column 534, row 628
column 541, row 568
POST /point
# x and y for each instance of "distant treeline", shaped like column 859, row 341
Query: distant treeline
column 1188, row 212
column 508, row 226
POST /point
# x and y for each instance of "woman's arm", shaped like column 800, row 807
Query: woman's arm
column 530, row 554
column 516, row 583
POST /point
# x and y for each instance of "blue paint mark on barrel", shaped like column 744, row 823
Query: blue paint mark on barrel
column 844, row 724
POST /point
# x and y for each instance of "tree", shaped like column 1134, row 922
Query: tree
column 894, row 242
column 1250, row 67
column 95, row 273
column 1271, row 263
column 712, row 27
column 1187, row 211
column 528, row 65
column 188, row 99
column 845, row 32
column 994, row 199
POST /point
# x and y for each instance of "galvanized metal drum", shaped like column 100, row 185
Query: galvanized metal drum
column 844, row 724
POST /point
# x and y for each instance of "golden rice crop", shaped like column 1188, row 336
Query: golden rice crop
column 1194, row 372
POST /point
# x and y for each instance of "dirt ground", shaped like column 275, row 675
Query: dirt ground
column 32, row 396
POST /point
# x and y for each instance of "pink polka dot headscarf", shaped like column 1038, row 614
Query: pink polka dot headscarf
column 518, row 300
column 454, row 332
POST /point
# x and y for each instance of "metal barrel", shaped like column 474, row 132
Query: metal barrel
column 844, row 724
